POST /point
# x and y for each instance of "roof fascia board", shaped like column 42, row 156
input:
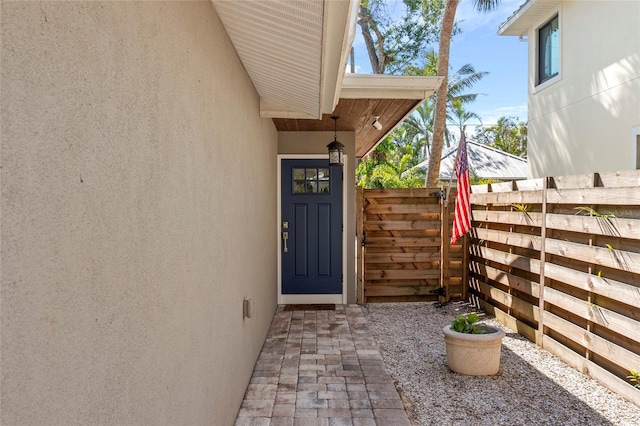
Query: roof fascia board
column 518, row 24
column 377, row 86
column 507, row 27
column 339, row 29
column 270, row 109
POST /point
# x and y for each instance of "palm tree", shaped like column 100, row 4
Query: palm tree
column 459, row 116
column 446, row 30
column 391, row 164
column 420, row 124
column 464, row 78
column 408, row 143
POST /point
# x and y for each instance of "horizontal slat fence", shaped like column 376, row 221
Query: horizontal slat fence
column 558, row 260
column 401, row 231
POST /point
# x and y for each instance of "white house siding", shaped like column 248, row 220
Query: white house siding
column 138, row 209
column 583, row 122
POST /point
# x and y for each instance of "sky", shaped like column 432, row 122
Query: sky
column 504, row 89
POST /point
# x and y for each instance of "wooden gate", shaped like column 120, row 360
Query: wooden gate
column 403, row 244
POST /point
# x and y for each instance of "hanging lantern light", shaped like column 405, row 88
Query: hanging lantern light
column 336, row 149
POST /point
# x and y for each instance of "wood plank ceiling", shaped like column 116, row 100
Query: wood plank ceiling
column 356, row 115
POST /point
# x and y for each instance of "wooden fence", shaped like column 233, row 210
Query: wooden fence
column 401, row 233
column 558, row 260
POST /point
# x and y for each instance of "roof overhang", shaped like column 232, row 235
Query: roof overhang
column 528, row 15
column 364, row 97
column 295, row 52
column 356, row 86
column 394, row 98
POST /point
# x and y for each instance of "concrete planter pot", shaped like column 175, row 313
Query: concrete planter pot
column 474, row 354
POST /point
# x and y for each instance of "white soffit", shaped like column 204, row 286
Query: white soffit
column 379, row 86
column 292, row 51
column 531, row 13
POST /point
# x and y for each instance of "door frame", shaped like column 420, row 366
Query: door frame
column 310, row 298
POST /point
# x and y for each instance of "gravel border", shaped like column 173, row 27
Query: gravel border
column 532, row 388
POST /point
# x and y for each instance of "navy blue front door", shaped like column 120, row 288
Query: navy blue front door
column 311, row 228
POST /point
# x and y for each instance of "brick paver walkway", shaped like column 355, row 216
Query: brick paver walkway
column 321, row 368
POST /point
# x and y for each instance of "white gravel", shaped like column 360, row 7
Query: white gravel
column 532, row 388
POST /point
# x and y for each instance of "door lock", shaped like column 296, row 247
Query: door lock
column 285, row 237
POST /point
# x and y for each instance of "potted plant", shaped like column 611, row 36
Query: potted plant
column 473, row 348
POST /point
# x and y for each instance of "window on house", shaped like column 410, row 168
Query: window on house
column 548, row 50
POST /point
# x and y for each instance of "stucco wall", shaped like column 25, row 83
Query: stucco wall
column 316, row 143
column 583, row 122
column 138, row 204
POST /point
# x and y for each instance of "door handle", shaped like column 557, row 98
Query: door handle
column 285, row 237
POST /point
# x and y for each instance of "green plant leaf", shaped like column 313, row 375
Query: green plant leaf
column 634, row 378
column 592, row 212
column 467, row 324
column 520, row 207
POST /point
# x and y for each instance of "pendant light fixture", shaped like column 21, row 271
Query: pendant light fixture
column 336, row 149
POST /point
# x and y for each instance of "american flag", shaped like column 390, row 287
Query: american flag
column 462, row 218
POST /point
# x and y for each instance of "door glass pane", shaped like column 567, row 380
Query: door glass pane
column 299, row 174
column 312, row 174
column 298, row 187
column 323, row 174
column 311, row 180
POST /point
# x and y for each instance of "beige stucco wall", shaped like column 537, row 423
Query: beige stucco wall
column 316, row 143
column 582, row 123
column 138, row 209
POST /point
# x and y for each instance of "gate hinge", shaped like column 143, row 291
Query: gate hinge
column 439, row 194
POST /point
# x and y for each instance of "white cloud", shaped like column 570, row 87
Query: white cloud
column 490, row 117
column 470, row 19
